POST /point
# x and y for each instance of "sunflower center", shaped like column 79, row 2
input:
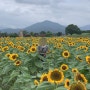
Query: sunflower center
column 66, row 54
column 8, row 55
column 74, row 71
column 55, row 75
column 78, row 86
column 67, row 83
column 64, row 67
column 88, row 59
column 33, row 49
column 79, row 77
column 17, row 62
column 45, row 78
column 5, row 48
column 13, row 56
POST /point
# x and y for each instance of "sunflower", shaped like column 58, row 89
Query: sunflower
column 13, row 57
column 0, row 47
column 55, row 76
column 86, row 48
column 42, row 41
column 8, row 55
column 75, row 70
column 5, row 48
column 79, row 58
column 44, row 77
column 28, row 51
column 66, row 54
column 71, row 43
column 67, row 83
column 36, row 82
column 88, row 59
column 17, row 63
column 33, row 49
column 59, row 45
column 21, row 48
column 80, row 77
column 64, row 67
column 77, row 86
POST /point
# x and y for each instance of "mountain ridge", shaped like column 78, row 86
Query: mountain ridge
column 86, row 27
column 42, row 26
column 46, row 26
column 37, row 27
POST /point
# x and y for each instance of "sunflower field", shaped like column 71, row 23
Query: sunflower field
column 65, row 67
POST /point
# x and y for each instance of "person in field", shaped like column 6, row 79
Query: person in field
column 43, row 47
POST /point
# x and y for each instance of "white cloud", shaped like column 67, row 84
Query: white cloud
column 21, row 13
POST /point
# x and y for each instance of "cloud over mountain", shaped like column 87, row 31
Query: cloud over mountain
column 21, row 13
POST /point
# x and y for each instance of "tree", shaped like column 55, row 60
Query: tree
column 36, row 34
column 13, row 35
column 42, row 33
column 31, row 33
column 25, row 33
column 49, row 33
column 72, row 29
column 59, row 33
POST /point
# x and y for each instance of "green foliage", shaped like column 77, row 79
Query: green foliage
column 33, row 65
column 72, row 29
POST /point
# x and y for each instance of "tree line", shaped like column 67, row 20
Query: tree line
column 70, row 29
column 28, row 34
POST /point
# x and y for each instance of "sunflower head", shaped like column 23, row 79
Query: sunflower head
column 80, row 77
column 8, row 55
column 28, row 51
column 33, row 49
column 13, row 57
column 75, row 70
column 88, row 59
column 79, row 58
column 55, row 76
column 64, row 67
column 17, row 63
column 36, row 82
column 43, row 78
column 67, row 83
column 66, row 54
column 5, row 48
column 77, row 86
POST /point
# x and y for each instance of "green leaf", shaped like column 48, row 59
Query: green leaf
column 33, row 54
column 33, row 69
column 6, row 69
column 0, row 88
column 60, row 88
column 38, row 63
column 88, row 86
column 24, row 68
column 13, row 74
column 45, row 86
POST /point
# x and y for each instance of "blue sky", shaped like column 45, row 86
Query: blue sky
column 22, row 13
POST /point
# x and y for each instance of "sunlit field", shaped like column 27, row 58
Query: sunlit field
column 65, row 67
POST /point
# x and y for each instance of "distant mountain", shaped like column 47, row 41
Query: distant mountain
column 2, row 27
column 10, row 30
column 37, row 27
column 46, row 26
column 86, row 27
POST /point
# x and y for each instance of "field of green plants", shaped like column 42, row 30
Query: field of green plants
column 65, row 67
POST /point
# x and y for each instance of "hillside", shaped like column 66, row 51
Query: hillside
column 46, row 26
